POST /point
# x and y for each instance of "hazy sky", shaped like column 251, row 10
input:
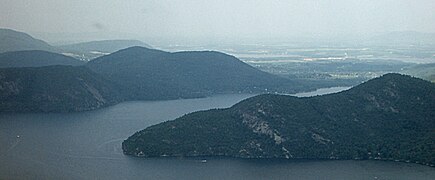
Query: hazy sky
column 219, row 18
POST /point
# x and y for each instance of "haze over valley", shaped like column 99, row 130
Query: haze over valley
column 163, row 89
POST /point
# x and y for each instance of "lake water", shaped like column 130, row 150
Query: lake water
column 87, row 145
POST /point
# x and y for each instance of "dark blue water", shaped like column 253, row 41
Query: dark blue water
column 87, row 145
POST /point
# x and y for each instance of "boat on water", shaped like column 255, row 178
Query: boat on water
column 204, row 161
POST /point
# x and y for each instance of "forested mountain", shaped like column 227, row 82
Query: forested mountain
column 390, row 117
column 11, row 40
column 148, row 74
column 54, row 89
column 35, row 58
column 135, row 73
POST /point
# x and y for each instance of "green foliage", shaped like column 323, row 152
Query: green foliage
column 148, row 74
column 390, row 118
column 135, row 73
column 54, row 89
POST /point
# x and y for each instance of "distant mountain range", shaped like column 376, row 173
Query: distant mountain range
column 105, row 46
column 93, row 49
column 35, row 58
column 148, row 74
column 388, row 118
column 11, row 40
column 54, row 89
column 135, row 73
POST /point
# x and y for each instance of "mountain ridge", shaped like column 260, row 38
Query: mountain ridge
column 11, row 40
column 35, row 58
column 184, row 74
column 389, row 118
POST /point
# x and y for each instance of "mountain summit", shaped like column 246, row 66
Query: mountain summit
column 153, row 74
column 11, row 40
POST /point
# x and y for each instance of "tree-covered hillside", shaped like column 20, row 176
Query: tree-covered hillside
column 54, row 89
column 148, row 74
column 391, row 117
column 11, row 40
